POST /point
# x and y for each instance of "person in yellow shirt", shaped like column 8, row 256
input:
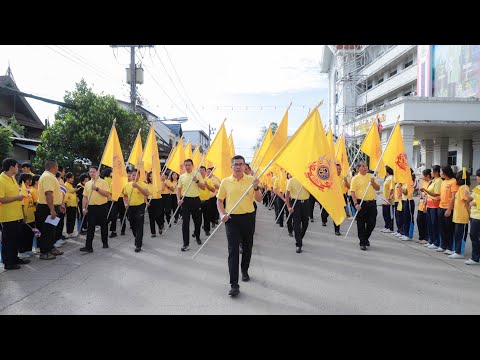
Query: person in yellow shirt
column 82, row 226
column 324, row 214
column 94, row 206
column 474, row 202
column 433, row 202
column 297, row 199
column 447, row 198
column 26, row 240
column 422, row 209
column 135, row 194
column 50, row 203
column 61, row 170
column 213, row 197
column 461, row 216
column 408, row 210
column 387, row 208
column 71, row 204
column 204, row 199
column 154, row 205
column 11, row 215
column 190, row 202
column 166, row 200
column 364, row 186
column 239, row 224
column 279, row 189
column 172, row 186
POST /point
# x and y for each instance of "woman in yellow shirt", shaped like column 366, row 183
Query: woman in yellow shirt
column 172, row 186
column 422, row 208
column 447, row 197
column 70, row 204
column 460, row 216
column 474, row 200
column 26, row 242
column 408, row 209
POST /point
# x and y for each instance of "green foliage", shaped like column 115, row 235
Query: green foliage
column 5, row 143
column 15, row 126
column 263, row 132
column 79, row 135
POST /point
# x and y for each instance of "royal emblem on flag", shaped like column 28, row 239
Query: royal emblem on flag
column 319, row 173
column 402, row 161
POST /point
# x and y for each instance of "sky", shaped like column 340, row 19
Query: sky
column 249, row 85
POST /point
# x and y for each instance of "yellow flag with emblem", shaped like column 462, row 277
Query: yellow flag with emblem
column 373, row 148
column 306, row 156
column 396, row 157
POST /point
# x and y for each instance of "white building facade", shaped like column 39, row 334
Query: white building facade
column 434, row 89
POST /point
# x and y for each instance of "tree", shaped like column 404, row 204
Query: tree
column 78, row 136
column 263, row 132
column 15, row 126
column 5, row 143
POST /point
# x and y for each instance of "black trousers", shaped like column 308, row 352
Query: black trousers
column 97, row 215
column 324, row 216
column 174, row 205
column 85, row 222
column 398, row 219
column 112, row 218
column 26, row 238
column 11, row 233
column 422, row 225
column 300, row 219
column 212, row 206
column 239, row 229
column 205, row 206
column 47, row 238
column 59, row 227
column 366, row 220
column 387, row 216
column 311, row 203
column 447, row 228
column 136, row 215
column 120, row 213
column 71, row 216
column 475, row 237
column 155, row 214
column 191, row 205
column 461, row 231
column 408, row 211
column 165, row 208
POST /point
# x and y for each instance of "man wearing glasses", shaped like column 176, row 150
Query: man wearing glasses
column 240, row 223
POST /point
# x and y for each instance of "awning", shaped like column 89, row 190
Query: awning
column 28, row 147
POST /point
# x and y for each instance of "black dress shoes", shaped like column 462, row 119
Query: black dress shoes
column 363, row 247
column 234, row 291
column 105, row 245
column 22, row 261
column 85, row 249
column 138, row 249
column 245, row 276
column 12, row 267
column 368, row 243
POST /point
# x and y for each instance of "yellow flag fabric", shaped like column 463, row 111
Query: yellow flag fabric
column 277, row 142
column 197, row 157
column 188, row 151
column 107, row 156
column 306, row 157
column 254, row 158
column 175, row 163
column 464, row 172
column 330, row 141
column 373, row 148
column 219, row 154
column 341, row 154
column 151, row 161
column 263, row 148
column 396, row 157
column 232, row 147
column 119, row 172
column 135, row 158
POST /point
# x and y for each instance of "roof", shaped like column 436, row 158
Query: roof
column 176, row 128
column 28, row 147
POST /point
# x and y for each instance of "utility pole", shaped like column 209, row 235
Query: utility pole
column 211, row 131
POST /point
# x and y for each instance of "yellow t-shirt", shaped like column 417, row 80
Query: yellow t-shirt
column 137, row 197
column 409, row 189
column 460, row 210
column 48, row 182
column 205, row 194
column 183, row 182
column 96, row 198
column 71, row 196
column 215, row 181
column 474, row 210
column 434, row 186
column 166, row 191
column 108, row 179
column 387, row 186
column 172, row 184
column 29, row 206
column 8, row 188
column 294, row 187
column 422, row 204
column 446, row 190
column 34, row 193
column 359, row 185
column 277, row 185
column 153, row 194
column 232, row 190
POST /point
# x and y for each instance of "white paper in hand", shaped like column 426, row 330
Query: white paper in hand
column 54, row 222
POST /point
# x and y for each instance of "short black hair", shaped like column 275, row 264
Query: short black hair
column 188, row 160
column 58, row 174
column 477, row 172
column 7, row 163
column 49, row 164
column 210, row 168
column 238, row 157
column 461, row 181
column 60, row 168
column 35, row 179
column 91, row 167
column 27, row 165
column 357, row 165
column 436, row 168
column 106, row 173
column 83, row 177
column 68, row 175
column 389, row 170
column 427, row 172
column 203, row 167
column 24, row 177
column 447, row 170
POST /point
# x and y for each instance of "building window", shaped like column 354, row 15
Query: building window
column 394, row 72
column 452, row 158
column 407, row 93
column 369, row 85
column 380, row 80
column 408, row 63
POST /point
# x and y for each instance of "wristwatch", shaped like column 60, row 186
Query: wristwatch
column 256, row 189
column 97, row 188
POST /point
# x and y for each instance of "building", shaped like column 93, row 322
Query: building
column 13, row 105
column 197, row 137
column 435, row 90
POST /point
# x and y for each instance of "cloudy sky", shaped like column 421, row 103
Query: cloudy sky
column 251, row 86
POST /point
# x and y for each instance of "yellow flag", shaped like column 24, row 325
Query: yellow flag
column 197, row 157
column 119, row 172
column 277, row 142
column 232, row 147
column 188, row 151
column 396, row 157
column 330, row 141
column 175, row 163
column 135, row 158
column 219, row 154
column 464, row 172
column 151, row 161
column 263, row 149
column 306, row 157
column 107, row 156
column 341, row 155
column 373, row 148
